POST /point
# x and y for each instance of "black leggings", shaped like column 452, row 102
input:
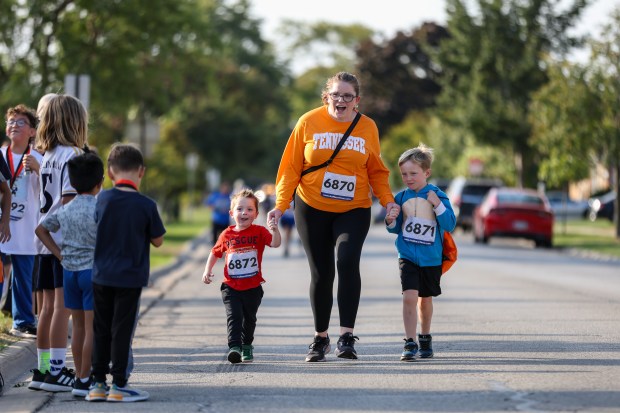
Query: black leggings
column 320, row 233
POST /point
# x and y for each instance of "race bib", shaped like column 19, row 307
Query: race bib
column 419, row 230
column 242, row 263
column 338, row 186
column 19, row 195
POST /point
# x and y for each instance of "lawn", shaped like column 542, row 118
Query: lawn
column 192, row 224
column 597, row 236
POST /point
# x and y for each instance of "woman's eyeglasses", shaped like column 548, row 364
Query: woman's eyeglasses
column 347, row 97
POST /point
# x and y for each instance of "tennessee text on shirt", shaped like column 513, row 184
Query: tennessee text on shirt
column 329, row 140
column 242, row 240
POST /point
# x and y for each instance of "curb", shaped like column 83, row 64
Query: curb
column 15, row 357
column 21, row 356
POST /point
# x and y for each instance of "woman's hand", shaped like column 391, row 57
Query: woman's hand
column 392, row 208
column 274, row 214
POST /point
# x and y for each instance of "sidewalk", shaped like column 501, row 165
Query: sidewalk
column 21, row 356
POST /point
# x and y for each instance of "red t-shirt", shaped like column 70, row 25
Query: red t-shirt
column 244, row 255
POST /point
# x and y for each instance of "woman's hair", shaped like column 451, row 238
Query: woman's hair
column 24, row 111
column 42, row 105
column 421, row 155
column 244, row 193
column 63, row 122
column 340, row 77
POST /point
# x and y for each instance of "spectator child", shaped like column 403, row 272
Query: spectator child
column 425, row 214
column 76, row 254
column 243, row 244
column 61, row 135
column 128, row 223
column 21, row 128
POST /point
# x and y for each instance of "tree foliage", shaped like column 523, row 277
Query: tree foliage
column 398, row 76
column 494, row 61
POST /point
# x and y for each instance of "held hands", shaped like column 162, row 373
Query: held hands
column 272, row 224
column 433, row 199
column 207, row 277
column 392, row 211
column 275, row 215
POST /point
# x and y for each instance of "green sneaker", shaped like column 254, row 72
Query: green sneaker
column 234, row 355
column 247, row 356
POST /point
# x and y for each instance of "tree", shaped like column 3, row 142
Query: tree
column 493, row 63
column 398, row 75
column 565, row 115
column 605, row 67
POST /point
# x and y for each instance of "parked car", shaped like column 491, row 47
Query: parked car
column 514, row 212
column 441, row 183
column 466, row 194
column 602, row 206
column 565, row 208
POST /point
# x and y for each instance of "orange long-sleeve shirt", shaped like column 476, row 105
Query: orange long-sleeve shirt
column 312, row 142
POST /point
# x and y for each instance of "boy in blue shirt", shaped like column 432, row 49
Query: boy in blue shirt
column 425, row 213
column 128, row 224
column 77, row 222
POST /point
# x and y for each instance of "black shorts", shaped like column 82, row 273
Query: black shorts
column 50, row 274
column 423, row 279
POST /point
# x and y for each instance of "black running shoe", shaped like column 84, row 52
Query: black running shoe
column 80, row 389
column 63, row 381
column 318, row 349
column 426, row 346
column 409, row 351
column 345, row 348
column 37, row 379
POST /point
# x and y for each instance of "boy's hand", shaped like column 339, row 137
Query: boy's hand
column 271, row 224
column 433, row 199
column 207, row 278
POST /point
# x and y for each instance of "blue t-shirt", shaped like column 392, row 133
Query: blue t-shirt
column 127, row 221
column 220, row 204
column 77, row 220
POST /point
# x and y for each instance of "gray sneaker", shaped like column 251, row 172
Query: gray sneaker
column 346, row 349
column 24, row 332
column 318, row 349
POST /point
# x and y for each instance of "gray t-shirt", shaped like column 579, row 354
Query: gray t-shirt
column 79, row 229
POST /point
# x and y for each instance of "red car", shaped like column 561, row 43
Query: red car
column 514, row 212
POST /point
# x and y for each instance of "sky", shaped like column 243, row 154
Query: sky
column 388, row 16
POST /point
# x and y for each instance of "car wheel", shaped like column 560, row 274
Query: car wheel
column 543, row 243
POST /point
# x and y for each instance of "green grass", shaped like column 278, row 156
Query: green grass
column 178, row 234
column 5, row 326
column 595, row 236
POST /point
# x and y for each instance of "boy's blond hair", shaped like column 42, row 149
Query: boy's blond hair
column 421, row 155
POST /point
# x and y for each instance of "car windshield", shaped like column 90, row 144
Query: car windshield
column 519, row 199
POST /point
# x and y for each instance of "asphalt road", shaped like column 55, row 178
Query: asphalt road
column 516, row 329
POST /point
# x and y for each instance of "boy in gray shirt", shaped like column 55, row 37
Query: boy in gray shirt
column 76, row 254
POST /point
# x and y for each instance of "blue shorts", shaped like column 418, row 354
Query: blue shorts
column 79, row 289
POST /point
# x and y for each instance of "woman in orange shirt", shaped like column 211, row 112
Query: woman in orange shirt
column 332, row 204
